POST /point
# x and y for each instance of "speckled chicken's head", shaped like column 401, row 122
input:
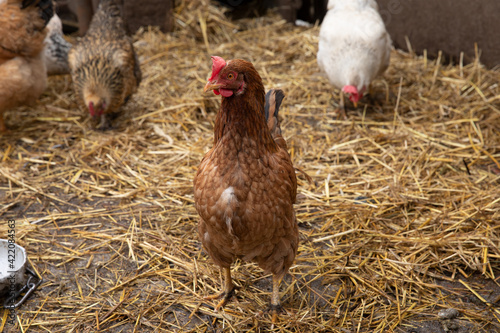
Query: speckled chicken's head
column 228, row 79
column 96, row 101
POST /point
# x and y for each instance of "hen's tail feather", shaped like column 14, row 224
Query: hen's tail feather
column 46, row 8
column 274, row 97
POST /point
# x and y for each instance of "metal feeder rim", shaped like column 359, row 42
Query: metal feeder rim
column 29, row 285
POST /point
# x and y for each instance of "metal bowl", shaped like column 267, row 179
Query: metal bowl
column 12, row 266
column 16, row 278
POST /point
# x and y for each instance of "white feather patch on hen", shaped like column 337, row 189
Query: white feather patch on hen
column 227, row 195
column 228, row 200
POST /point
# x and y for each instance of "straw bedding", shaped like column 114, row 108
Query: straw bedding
column 400, row 221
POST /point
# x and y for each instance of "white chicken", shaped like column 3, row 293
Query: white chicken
column 354, row 46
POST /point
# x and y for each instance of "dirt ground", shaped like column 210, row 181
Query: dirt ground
column 100, row 261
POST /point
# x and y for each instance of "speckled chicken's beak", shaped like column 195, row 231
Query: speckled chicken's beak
column 211, row 86
column 355, row 104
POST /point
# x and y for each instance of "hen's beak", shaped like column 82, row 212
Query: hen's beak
column 355, row 104
column 211, row 86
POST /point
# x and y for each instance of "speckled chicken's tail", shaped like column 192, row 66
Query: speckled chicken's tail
column 111, row 7
column 274, row 97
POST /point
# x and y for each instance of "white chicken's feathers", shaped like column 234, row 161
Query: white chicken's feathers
column 354, row 46
column 357, row 4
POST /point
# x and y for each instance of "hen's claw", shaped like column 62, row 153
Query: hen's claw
column 226, row 296
column 274, row 310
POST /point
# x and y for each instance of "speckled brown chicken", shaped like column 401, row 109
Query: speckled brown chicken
column 103, row 65
column 246, row 186
column 23, row 75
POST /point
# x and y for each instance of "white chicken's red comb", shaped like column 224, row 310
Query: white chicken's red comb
column 350, row 89
column 217, row 65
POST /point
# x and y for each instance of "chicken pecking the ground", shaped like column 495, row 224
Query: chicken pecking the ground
column 245, row 186
column 23, row 75
column 354, row 47
column 104, row 67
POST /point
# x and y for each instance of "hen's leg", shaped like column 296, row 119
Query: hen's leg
column 228, row 289
column 104, row 123
column 371, row 92
column 342, row 105
column 275, row 307
column 386, row 91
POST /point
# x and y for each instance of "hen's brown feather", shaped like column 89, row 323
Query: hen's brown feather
column 104, row 64
column 22, row 31
column 22, row 70
column 245, row 186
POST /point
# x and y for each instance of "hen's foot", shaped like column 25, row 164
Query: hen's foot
column 105, row 123
column 226, row 296
column 341, row 113
column 274, row 310
column 341, row 108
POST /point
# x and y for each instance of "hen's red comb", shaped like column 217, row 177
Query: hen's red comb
column 217, row 65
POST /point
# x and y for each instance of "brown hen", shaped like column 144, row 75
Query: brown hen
column 23, row 75
column 246, row 186
column 104, row 67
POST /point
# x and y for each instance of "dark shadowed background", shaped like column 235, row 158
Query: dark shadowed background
column 452, row 26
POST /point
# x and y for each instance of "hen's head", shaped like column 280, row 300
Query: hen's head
column 96, row 103
column 232, row 77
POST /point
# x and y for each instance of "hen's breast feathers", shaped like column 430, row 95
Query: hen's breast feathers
column 22, row 81
column 23, row 74
column 245, row 204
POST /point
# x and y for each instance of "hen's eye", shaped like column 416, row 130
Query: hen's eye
column 230, row 76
